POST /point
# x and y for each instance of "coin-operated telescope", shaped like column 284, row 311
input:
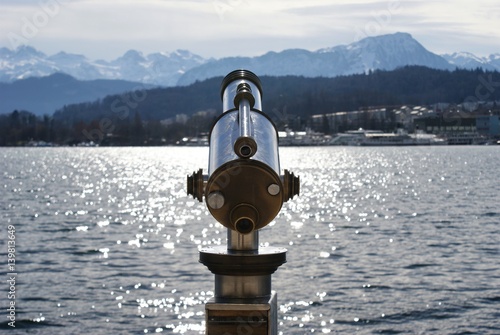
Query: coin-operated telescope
column 244, row 191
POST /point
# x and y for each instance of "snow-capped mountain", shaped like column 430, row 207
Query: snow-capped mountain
column 181, row 67
column 466, row 60
column 163, row 69
column 385, row 52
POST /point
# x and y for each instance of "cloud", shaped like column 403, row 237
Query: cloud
column 107, row 28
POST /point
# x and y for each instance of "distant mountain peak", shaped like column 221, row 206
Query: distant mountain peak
column 25, row 51
column 182, row 53
column 495, row 56
column 132, row 56
column 373, row 40
column 398, row 36
column 65, row 57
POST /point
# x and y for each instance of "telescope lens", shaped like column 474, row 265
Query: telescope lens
column 245, row 147
column 246, row 151
column 244, row 226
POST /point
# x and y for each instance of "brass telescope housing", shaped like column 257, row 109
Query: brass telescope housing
column 243, row 189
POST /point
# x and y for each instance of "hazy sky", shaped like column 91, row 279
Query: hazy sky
column 219, row 28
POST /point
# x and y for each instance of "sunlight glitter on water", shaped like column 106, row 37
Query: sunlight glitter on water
column 184, row 307
column 380, row 240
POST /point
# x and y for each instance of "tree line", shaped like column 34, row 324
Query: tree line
column 21, row 128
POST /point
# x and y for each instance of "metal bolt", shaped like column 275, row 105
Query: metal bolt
column 215, row 200
column 273, row 189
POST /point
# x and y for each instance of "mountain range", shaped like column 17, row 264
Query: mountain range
column 160, row 69
column 33, row 81
column 181, row 67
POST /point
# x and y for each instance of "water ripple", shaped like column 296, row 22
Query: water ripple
column 381, row 240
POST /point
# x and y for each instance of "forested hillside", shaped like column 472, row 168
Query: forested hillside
column 301, row 96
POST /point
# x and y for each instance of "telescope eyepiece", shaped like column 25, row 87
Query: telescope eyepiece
column 244, row 226
column 245, row 146
column 245, row 151
column 244, row 218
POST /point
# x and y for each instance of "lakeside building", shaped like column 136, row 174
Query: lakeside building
column 443, row 119
column 386, row 118
column 488, row 125
column 445, row 124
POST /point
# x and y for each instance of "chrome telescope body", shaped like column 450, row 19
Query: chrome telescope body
column 244, row 191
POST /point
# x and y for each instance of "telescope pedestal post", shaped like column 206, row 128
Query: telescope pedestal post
column 259, row 317
column 243, row 302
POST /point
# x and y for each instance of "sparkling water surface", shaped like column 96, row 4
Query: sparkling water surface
column 380, row 241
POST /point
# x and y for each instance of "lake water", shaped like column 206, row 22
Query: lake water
column 380, row 241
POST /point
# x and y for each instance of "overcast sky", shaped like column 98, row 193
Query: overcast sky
column 106, row 29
